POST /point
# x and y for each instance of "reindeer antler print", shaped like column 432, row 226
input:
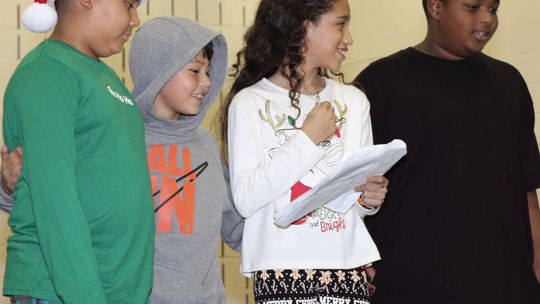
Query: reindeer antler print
column 280, row 119
column 340, row 114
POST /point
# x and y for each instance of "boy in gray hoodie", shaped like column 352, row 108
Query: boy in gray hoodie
column 178, row 68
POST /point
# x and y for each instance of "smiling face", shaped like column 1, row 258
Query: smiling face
column 462, row 28
column 328, row 39
column 184, row 92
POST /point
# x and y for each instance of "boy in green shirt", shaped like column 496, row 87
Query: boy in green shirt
column 83, row 222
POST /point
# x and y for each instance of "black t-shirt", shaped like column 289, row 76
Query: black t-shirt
column 454, row 227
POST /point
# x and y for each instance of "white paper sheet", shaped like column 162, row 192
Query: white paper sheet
column 353, row 170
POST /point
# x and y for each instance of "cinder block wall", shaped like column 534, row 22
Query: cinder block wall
column 379, row 28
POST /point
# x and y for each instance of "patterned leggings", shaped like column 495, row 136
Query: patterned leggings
column 28, row 300
column 311, row 286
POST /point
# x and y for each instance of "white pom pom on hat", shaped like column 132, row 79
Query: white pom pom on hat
column 40, row 16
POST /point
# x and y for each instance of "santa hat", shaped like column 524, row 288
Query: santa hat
column 41, row 17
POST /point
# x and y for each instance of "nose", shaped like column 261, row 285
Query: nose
column 487, row 16
column 134, row 21
column 347, row 37
column 204, row 81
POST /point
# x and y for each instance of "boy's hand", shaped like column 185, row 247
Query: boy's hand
column 11, row 168
column 371, row 271
column 320, row 123
column 373, row 191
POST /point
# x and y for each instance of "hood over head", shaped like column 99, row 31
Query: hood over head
column 162, row 47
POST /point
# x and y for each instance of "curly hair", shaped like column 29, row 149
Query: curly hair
column 275, row 42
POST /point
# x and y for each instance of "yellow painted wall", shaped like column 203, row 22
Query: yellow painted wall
column 379, row 27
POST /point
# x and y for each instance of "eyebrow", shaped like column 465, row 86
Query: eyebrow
column 197, row 61
column 344, row 17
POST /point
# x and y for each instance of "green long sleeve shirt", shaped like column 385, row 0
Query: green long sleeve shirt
column 83, row 226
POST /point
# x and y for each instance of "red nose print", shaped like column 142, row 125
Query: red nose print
column 297, row 190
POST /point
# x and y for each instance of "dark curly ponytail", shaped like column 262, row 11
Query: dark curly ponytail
column 275, row 42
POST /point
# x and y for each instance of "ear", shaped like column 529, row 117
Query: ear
column 309, row 26
column 86, row 3
column 434, row 8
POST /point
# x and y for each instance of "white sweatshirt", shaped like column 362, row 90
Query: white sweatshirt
column 272, row 162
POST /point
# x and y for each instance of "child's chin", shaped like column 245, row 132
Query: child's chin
column 191, row 113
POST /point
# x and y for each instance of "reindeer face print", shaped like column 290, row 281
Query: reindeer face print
column 284, row 127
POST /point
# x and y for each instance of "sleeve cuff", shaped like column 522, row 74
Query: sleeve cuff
column 363, row 211
column 6, row 200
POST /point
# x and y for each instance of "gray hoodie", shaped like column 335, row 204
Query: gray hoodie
column 188, row 225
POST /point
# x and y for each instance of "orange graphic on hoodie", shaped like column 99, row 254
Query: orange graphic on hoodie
column 172, row 203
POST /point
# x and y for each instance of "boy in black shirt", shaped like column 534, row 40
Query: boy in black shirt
column 461, row 223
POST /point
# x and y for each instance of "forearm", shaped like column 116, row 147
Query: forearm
column 232, row 226
column 255, row 184
column 61, row 225
column 264, row 168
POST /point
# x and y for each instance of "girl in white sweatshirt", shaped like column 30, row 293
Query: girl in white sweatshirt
column 287, row 126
